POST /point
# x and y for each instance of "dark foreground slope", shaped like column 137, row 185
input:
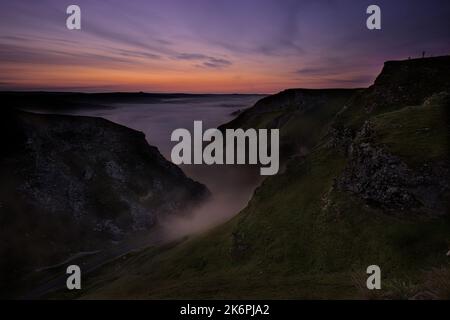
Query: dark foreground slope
column 76, row 184
column 372, row 190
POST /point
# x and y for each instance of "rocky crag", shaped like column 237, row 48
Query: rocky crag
column 75, row 184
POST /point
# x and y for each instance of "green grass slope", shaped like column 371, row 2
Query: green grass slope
column 302, row 115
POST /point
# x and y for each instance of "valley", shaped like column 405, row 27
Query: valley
column 363, row 181
column 311, row 231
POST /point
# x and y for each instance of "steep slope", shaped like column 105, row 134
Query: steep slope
column 372, row 190
column 400, row 84
column 76, row 184
column 302, row 115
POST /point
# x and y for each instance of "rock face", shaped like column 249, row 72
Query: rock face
column 77, row 183
column 375, row 174
column 407, row 82
column 400, row 83
column 384, row 180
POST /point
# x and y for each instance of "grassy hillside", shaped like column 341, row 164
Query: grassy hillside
column 417, row 133
column 372, row 189
column 302, row 115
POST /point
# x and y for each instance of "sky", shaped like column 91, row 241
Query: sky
column 211, row 46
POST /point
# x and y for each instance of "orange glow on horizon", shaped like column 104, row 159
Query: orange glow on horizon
column 194, row 80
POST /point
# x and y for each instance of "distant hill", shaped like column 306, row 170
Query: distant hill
column 366, row 182
column 64, row 101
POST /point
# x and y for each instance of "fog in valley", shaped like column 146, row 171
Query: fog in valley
column 231, row 186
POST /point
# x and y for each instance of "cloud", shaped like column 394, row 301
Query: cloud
column 191, row 56
column 137, row 54
column 216, row 63
column 18, row 54
column 128, row 40
column 206, row 61
column 313, row 71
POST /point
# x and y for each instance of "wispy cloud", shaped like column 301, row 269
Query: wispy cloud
column 190, row 56
column 206, row 61
column 216, row 63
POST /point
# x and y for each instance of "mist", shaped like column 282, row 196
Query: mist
column 231, row 186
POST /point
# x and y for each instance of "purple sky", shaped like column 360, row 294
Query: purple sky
column 258, row 46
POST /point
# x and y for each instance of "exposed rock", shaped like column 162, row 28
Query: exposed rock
column 408, row 82
column 384, row 180
column 94, row 169
column 340, row 138
column 77, row 184
column 400, row 83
